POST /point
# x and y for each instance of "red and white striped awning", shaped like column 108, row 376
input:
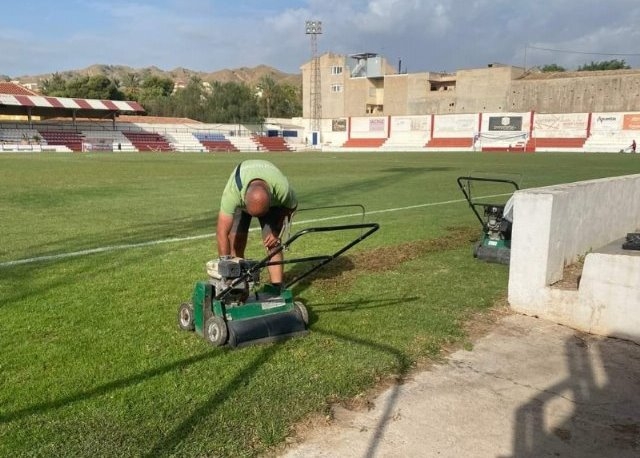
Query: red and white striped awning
column 38, row 101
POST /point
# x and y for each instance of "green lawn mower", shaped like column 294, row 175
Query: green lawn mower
column 232, row 308
column 496, row 220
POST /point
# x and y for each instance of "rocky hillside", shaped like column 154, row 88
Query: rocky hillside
column 119, row 72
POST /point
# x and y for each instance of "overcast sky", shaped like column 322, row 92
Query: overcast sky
column 43, row 36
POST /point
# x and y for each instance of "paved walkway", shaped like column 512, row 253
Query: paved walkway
column 530, row 388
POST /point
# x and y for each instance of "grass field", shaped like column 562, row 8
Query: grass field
column 92, row 362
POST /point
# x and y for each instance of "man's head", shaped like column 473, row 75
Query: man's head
column 257, row 198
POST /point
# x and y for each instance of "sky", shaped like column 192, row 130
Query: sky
column 46, row 36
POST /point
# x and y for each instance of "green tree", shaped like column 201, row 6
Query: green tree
column 552, row 68
column 55, row 86
column 101, row 87
column 288, row 102
column 189, row 102
column 232, row 103
column 156, row 86
column 614, row 64
column 155, row 95
column 94, row 87
column 160, row 106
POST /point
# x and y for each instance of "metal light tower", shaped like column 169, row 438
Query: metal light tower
column 313, row 29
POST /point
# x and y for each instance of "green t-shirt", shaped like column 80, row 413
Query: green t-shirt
column 282, row 195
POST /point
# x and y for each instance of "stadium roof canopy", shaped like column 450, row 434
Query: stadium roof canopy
column 17, row 100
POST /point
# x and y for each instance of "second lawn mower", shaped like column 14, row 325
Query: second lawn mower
column 495, row 241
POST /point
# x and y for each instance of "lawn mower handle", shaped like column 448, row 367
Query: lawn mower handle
column 467, row 194
column 323, row 259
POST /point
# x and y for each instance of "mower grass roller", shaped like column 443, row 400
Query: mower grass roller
column 232, row 308
column 495, row 241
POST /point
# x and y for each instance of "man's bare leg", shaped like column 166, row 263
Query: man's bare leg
column 238, row 244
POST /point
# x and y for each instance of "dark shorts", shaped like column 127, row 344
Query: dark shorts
column 271, row 223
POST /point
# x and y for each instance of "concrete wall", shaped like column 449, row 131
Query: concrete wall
column 577, row 92
column 398, row 85
column 481, row 90
column 554, row 227
column 356, row 96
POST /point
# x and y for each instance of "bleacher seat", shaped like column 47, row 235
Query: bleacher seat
column 148, row 141
column 450, row 142
column 70, row 139
column 364, row 143
column 215, row 141
column 271, row 143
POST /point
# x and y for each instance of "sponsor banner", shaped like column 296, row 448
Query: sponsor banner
column 560, row 122
column 606, row 121
column 408, row 124
column 464, row 124
column 400, row 124
column 422, row 124
column 376, row 125
column 631, row 122
column 505, row 123
column 339, row 125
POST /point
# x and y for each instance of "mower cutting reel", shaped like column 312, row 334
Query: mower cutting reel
column 232, row 308
column 495, row 241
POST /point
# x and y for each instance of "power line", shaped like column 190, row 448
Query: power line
column 584, row 52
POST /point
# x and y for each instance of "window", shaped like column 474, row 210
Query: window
column 336, row 88
column 336, row 70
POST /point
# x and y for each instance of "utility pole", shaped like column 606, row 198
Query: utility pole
column 313, row 29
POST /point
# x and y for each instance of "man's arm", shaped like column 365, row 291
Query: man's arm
column 222, row 233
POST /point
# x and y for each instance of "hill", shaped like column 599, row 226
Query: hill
column 246, row 75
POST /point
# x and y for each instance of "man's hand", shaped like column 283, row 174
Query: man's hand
column 271, row 241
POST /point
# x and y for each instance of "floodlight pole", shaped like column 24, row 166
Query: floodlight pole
column 313, row 29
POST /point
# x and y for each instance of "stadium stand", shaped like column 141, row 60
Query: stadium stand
column 406, row 141
column 183, row 141
column 271, row 143
column 555, row 144
column 215, row 142
column 71, row 140
column 610, row 142
column 244, row 143
column 148, row 141
column 27, row 140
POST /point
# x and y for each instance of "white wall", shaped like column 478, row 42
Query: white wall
column 553, row 227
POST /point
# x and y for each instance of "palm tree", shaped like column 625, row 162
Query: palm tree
column 267, row 88
column 131, row 85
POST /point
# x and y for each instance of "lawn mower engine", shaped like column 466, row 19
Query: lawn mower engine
column 231, row 307
column 224, row 271
column 495, row 243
